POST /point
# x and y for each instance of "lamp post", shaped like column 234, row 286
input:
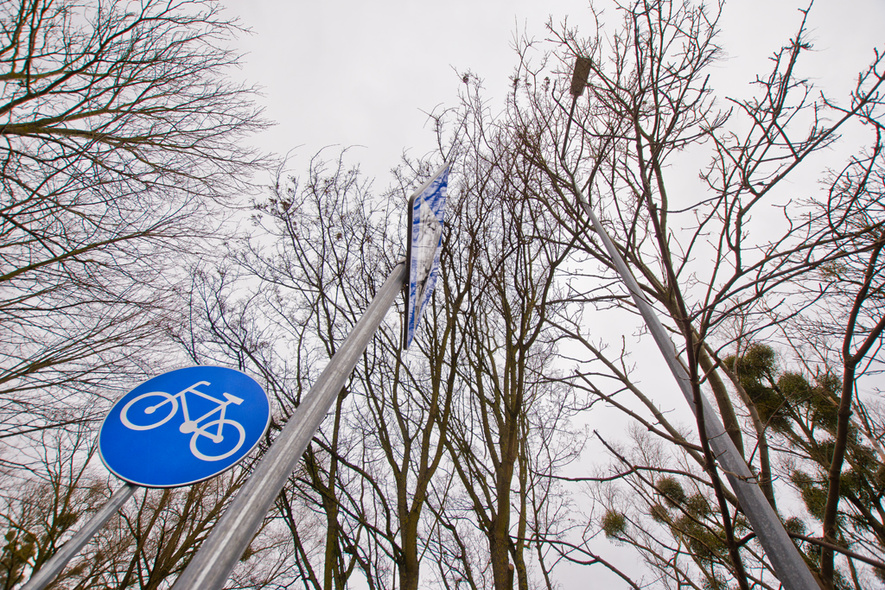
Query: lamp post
column 788, row 564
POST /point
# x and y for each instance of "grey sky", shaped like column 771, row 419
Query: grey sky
column 361, row 73
column 354, row 73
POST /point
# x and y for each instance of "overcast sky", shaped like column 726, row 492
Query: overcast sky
column 355, row 73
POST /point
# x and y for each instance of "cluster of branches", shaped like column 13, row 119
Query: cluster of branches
column 121, row 138
column 119, row 131
column 738, row 266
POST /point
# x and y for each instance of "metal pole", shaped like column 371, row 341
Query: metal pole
column 55, row 564
column 232, row 534
column 789, row 566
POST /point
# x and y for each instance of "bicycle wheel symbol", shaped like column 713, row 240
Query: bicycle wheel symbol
column 210, row 446
column 149, row 410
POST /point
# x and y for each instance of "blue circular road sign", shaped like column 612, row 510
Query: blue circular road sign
column 183, row 426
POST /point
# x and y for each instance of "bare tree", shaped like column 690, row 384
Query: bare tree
column 120, row 131
column 509, row 432
column 366, row 479
column 122, row 137
column 650, row 99
column 40, row 510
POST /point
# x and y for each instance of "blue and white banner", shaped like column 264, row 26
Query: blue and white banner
column 426, row 217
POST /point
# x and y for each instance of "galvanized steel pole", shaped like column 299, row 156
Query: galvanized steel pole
column 788, row 565
column 232, row 534
column 55, row 564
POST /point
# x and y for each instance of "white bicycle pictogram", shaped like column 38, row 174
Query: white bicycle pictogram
column 148, row 404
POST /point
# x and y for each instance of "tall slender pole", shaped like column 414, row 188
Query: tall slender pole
column 55, row 564
column 788, row 565
column 232, row 534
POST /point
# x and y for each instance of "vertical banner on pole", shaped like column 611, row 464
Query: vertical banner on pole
column 425, row 227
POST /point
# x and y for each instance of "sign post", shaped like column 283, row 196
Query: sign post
column 230, row 537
